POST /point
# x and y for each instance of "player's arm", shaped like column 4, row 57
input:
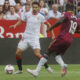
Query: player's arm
column 49, row 25
column 53, row 35
column 60, row 20
column 17, row 24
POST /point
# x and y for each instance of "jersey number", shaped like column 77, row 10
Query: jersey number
column 73, row 27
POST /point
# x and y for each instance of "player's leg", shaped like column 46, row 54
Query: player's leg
column 19, row 60
column 35, row 44
column 62, row 46
column 60, row 61
column 21, row 47
column 39, row 56
column 42, row 61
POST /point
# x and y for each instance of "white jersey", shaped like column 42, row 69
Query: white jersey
column 12, row 2
column 2, row 2
column 15, row 16
column 33, row 24
column 43, row 10
column 51, row 14
column 24, row 10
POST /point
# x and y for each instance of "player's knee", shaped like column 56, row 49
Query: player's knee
column 19, row 52
column 38, row 55
column 46, row 56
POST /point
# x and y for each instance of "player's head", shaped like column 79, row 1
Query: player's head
column 70, row 7
column 35, row 7
column 27, row 7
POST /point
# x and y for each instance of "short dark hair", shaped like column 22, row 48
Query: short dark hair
column 44, row 3
column 37, row 3
column 70, row 7
column 27, row 4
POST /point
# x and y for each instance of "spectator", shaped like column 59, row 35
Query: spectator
column 44, row 12
column 61, row 2
column 61, row 5
column 12, row 15
column 54, row 13
column 1, row 12
column 66, row 1
column 18, row 9
column 28, row 2
column 24, row 1
column 70, row 1
column 20, row 1
column 27, row 7
column 2, row 2
column 17, row 1
column 78, row 14
column 12, row 2
column 78, row 9
column 6, row 7
column 43, row 9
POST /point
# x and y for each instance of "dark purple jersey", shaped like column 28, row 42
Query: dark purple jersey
column 69, row 25
column 64, row 40
column 78, row 28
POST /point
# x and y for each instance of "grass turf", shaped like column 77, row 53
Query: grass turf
column 73, row 73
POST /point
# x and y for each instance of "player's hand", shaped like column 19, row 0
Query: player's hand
column 13, row 26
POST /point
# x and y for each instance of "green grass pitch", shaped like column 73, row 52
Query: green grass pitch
column 73, row 73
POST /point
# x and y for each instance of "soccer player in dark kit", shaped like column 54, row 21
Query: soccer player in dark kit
column 60, row 44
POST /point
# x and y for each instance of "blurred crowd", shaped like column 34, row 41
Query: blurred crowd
column 12, row 9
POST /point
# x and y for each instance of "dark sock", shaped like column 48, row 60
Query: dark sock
column 57, row 53
column 19, row 62
column 46, row 56
column 46, row 65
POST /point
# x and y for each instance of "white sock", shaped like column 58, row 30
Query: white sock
column 41, row 63
column 59, row 60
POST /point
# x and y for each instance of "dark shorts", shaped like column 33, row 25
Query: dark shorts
column 59, row 45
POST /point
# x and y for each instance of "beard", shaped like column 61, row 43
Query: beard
column 34, row 11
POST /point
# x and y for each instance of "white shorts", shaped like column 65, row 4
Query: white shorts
column 25, row 43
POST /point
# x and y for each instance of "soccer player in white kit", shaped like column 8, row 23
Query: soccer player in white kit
column 31, row 35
